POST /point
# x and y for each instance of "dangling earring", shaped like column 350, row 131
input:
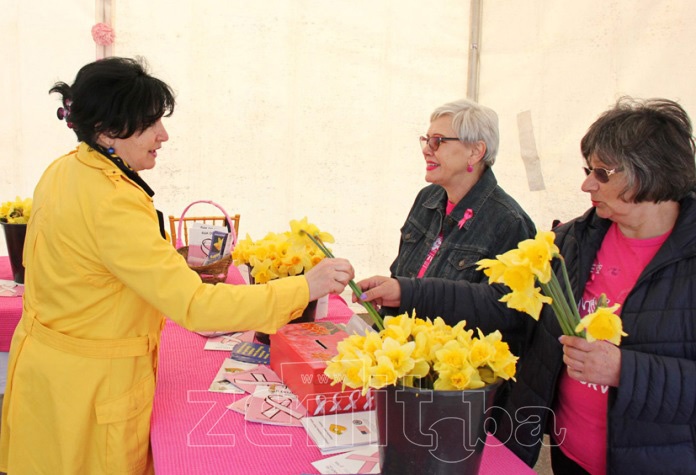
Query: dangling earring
column 111, row 150
column 469, row 168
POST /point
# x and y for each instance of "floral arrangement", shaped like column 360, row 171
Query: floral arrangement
column 280, row 255
column 422, row 353
column 530, row 263
column 16, row 212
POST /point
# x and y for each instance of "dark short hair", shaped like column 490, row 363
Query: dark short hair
column 651, row 141
column 115, row 96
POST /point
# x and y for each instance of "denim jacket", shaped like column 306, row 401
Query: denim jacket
column 497, row 225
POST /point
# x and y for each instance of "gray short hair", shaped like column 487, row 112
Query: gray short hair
column 651, row 140
column 473, row 122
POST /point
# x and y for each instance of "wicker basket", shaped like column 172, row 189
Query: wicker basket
column 217, row 271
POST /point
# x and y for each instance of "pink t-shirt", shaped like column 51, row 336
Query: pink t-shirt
column 581, row 408
column 436, row 243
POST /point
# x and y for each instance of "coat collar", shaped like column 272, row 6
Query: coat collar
column 110, row 165
column 473, row 200
column 680, row 244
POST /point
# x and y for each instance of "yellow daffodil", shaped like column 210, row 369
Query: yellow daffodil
column 481, row 353
column 521, row 268
column 383, row 373
column 464, row 378
column 352, row 371
column 461, row 334
column 298, row 228
column 493, row 269
column 433, row 354
column 451, row 355
column 296, row 263
column 399, row 353
column 529, row 301
column 518, row 278
column 262, row 270
column 603, row 324
column 420, row 369
column 398, row 328
column 280, row 254
column 538, row 253
column 17, row 211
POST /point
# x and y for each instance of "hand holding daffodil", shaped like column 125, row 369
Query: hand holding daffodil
column 596, row 362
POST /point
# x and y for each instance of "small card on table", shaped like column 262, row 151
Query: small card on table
column 251, row 352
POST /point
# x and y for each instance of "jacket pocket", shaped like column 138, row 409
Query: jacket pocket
column 412, row 251
column 461, row 265
column 127, row 421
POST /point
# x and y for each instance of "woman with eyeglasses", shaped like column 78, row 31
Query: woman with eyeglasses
column 607, row 409
column 463, row 215
column 100, row 277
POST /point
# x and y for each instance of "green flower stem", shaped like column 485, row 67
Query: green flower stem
column 556, row 306
column 376, row 317
column 569, row 292
column 563, row 303
column 570, row 308
column 560, row 306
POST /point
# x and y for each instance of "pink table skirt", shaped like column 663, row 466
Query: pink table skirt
column 193, row 432
column 10, row 308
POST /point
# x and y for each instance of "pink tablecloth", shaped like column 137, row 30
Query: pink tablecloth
column 193, row 432
column 10, row 308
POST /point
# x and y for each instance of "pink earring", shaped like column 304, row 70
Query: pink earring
column 469, row 168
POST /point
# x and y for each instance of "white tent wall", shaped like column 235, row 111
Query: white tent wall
column 565, row 63
column 292, row 108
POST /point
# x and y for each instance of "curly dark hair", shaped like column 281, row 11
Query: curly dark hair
column 114, row 96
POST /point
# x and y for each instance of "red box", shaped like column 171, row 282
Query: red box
column 299, row 352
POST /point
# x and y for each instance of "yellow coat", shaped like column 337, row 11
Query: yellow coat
column 99, row 278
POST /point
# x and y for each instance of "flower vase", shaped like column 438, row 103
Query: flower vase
column 427, row 431
column 308, row 315
column 14, row 238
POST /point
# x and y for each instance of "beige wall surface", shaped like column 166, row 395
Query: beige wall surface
column 293, row 108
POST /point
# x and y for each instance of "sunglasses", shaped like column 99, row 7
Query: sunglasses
column 434, row 142
column 601, row 174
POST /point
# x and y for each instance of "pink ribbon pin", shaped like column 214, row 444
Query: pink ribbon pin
column 468, row 214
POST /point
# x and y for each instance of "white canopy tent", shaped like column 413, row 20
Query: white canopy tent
column 292, row 108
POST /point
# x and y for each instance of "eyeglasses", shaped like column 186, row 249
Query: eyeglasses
column 434, row 142
column 601, row 174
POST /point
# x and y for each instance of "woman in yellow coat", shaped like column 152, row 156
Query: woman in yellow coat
column 99, row 278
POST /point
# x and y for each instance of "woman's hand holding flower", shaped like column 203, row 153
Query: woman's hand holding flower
column 597, row 362
column 330, row 276
column 383, row 291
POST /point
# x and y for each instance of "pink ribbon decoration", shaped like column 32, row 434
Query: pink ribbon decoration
column 352, row 400
column 369, row 461
column 468, row 214
column 368, row 401
column 280, row 404
column 322, row 408
column 103, row 34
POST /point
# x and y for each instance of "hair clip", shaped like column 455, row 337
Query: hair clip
column 63, row 113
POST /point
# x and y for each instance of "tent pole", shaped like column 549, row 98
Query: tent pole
column 472, row 85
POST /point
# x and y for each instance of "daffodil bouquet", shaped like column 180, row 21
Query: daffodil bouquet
column 422, row 353
column 16, row 212
column 280, row 255
column 530, row 263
